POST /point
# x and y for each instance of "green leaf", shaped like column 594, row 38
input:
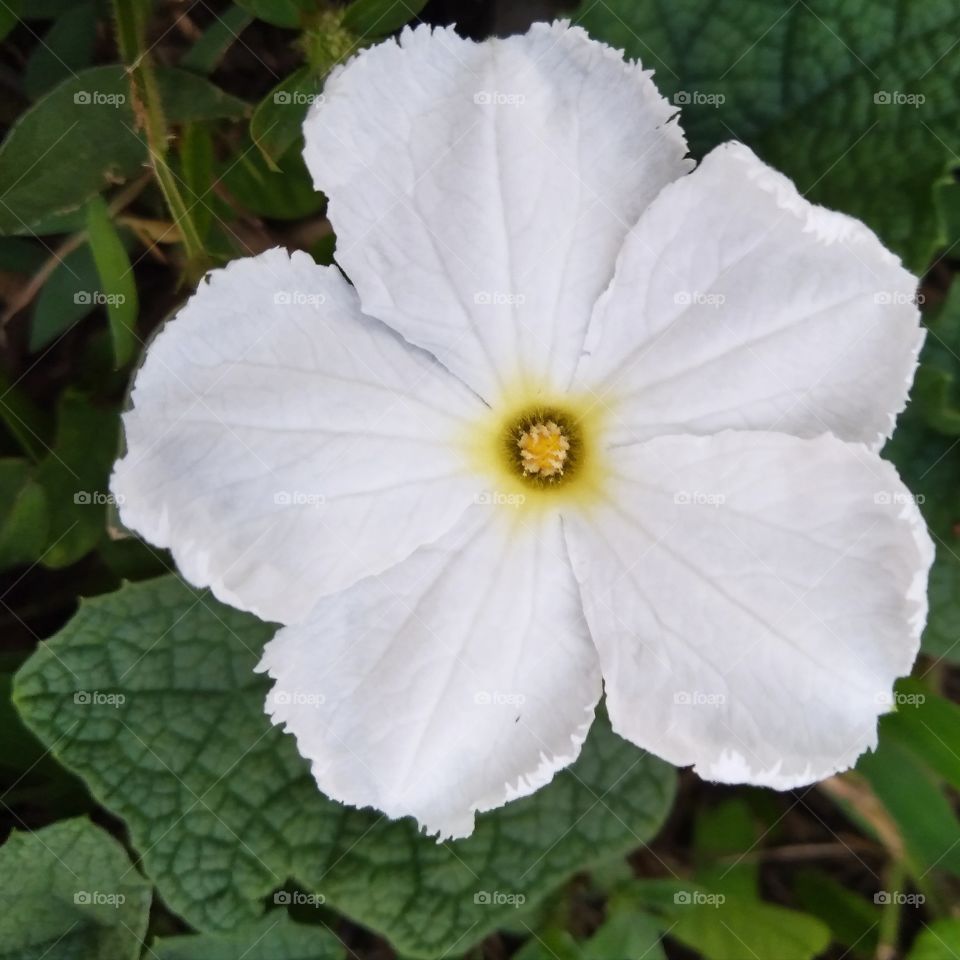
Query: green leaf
column 225, row 810
column 21, row 256
column 323, row 250
column 278, row 118
column 66, row 298
column 281, row 13
column 371, row 19
column 74, row 477
column 86, row 126
column 853, row 920
column 66, row 48
column 30, row 775
column 46, row 9
column 929, row 464
column 27, row 424
column 205, row 55
column 197, row 175
column 9, row 15
column 928, row 726
column 67, row 221
column 117, row 284
column 23, row 520
column 948, row 202
column 727, row 927
column 131, row 559
column 70, row 893
column 938, row 941
column 275, row 937
column 550, row 945
column 285, row 193
column 739, row 927
column 915, row 799
column 626, row 932
column 828, row 91
column 188, row 98
column 936, row 389
column 725, row 832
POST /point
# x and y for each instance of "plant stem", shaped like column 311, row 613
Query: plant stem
column 131, row 21
column 890, row 917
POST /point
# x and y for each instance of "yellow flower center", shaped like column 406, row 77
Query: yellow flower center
column 543, row 449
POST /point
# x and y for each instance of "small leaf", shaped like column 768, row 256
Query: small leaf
column 117, row 285
column 727, row 927
column 323, row 250
column 551, row 945
column 70, row 892
column 66, row 297
column 914, row 797
column 82, row 136
column 23, row 521
column 278, row 119
column 9, row 15
column 21, row 256
column 65, row 48
column 928, row 726
column 205, row 55
column 46, row 9
column 74, row 476
column 281, row 13
column 188, row 98
column 371, row 19
column 285, row 193
column 938, row 941
column 726, row 831
column 627, row 932
column 739, row 927
column 26, row 422
column 853, row 920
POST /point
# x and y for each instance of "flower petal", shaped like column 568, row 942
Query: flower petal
column 460, row 679
column 480, row 192
column 283, row 445
column 739, row 305
column 753, row 597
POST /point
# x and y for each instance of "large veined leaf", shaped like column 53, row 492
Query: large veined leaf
column 929, row 463
column 149, row 694
column 926, row 452
column 857, row 100
column 69, row 892
column 275, row 937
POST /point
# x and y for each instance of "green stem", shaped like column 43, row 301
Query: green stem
column 131, row 23
column 889, row 932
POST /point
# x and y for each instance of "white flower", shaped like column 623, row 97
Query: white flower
column 584, row 414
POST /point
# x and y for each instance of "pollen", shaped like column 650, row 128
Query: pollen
column 544, row 448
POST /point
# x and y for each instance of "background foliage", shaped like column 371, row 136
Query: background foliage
column 148, row 807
